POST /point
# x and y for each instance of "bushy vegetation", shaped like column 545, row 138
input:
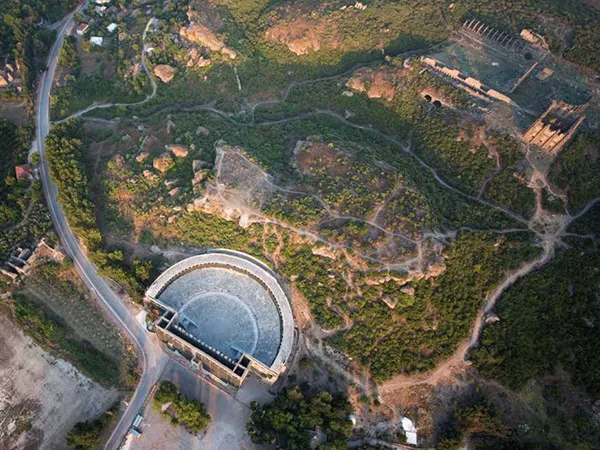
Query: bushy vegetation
column 447, row 144
column 546, row 416
column 64, row 151
column 87, row 435
column 83, row 91
column 508, row 187
column 69, row 58
column 479, row 425
column 65, row 154
column 24, row 37
column 354, row 187
column 18, row 197
column 547, row 321
column 428, row 326
column 290, row 419
column 430, row 316
column 38, row 223
column 577, row 169
column 13, row 151
column 189, row 413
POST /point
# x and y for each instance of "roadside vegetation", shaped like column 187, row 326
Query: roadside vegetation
column 577, row 169
column 56, row 291
column 24, row 36
column 88, row 435
column 66, row 160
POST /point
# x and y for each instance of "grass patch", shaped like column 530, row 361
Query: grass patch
column 50, row 333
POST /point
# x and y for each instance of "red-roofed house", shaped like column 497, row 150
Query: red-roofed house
column 23, row 171
column 82, row 28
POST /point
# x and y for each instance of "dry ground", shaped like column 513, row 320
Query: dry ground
column 227, row 430
column 14, row 112
column 41, row 397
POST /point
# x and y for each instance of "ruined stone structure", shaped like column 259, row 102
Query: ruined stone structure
column 227, row 314
column 488, row 36
column 553, row 129
column 470, row 84
column 21, row 260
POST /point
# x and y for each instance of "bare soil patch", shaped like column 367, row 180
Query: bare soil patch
column 41, row 397
column 302, row 35
column 227, row 429
column 90, row 63
column 311, row 157
column 376, row 83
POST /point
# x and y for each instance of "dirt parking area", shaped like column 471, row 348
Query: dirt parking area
column 227, row 429
column 41, row 397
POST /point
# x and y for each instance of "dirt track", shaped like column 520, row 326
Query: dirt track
column 41, row 397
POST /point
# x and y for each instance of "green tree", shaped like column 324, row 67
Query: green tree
column 35, row 158
column 189, row 413
column 85, row 435
column 290, row 418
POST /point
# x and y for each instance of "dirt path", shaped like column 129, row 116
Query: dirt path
column 548, row 228
column 492, row 151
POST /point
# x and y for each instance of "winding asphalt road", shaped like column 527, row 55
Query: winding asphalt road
column 153, row 359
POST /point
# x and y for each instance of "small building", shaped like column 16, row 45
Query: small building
column 97, row 40
column 82, row 28
column 352, row 418
column 112, row 27
column 100, row 10
column 544, row 74
column 102, row 2
column 24, row 171
column 530, row 36
column 409, row 430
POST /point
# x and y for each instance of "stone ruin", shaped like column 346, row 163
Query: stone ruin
column 555, row 128
column 490, row 37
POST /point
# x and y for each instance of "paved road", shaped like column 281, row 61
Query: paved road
column 151, row 355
